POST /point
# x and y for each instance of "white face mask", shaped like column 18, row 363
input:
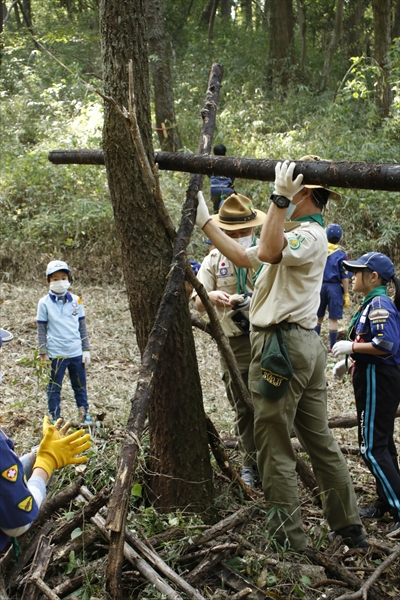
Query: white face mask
column 291, row 208
column 60, row 286
column 245, row 241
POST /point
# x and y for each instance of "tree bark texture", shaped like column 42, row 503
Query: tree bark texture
column 167, row 129
column 357, row 175
column 176, row 412
column 382, row 39
column 301, row 14
column 353, row 28
column 396, row 21
column 335, row 39
column 281, row 33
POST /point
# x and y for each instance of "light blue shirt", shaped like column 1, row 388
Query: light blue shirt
column 61, row 314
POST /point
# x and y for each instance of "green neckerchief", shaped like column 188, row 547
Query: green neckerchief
column 378, row 291
column 317, row 218
column 241, row 276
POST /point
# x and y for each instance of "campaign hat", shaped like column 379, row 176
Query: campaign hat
column 238, row 212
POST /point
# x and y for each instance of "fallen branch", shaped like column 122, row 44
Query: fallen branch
column 38, row 569
column 60, row 500
column 338, row 571
column 211, row 560
column 363, row 591
column 230, row 522
column 224, row 462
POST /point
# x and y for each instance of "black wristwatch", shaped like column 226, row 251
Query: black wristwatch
column 280, row 201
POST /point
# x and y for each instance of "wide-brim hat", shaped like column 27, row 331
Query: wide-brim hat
column 238, row 212
column 332, row 195
column 374, row 261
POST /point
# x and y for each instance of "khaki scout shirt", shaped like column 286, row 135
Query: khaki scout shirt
column 289, row 291
column 219, row 273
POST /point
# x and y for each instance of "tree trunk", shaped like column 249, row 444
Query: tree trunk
column 167, row 129
column 281, row 32
column 361, row 175
column 177, row 427
column 382, row 38
column 247, row 8
column 301, row 12
column 206, row 14
column 396, row 21
column 212, row 19
column 354, row 27
column 335, row 39
column 226, row 7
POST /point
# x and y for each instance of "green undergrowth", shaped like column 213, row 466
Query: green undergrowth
column 50, row 211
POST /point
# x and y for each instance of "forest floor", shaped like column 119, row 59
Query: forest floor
column 111, row 384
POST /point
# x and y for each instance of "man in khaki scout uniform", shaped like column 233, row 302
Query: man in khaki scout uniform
column 286, row 294
column 229, row 289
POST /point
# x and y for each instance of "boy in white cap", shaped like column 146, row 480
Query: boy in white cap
column 63, row 339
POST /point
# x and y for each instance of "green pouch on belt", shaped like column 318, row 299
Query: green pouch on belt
column 276, row 368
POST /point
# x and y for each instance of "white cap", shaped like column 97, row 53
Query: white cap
column 56, row 265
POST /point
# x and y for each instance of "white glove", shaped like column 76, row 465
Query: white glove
column 86, row 358
column 202, row 215
column 241, row 301
column 343, row 347
column 284, row 184
column 339, row 369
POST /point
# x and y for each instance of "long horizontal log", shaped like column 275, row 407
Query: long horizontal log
column 360, row 175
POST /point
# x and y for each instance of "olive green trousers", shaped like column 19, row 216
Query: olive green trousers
column 304, row 408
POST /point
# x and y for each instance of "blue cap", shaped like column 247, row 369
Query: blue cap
column 195, row 266
column 334, row 232
column 374, row 261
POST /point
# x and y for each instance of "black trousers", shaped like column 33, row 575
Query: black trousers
column 377, row 394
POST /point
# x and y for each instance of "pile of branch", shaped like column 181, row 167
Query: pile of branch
column 203, row 561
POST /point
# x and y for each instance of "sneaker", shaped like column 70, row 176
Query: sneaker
column 88, row 419
column 372, row 512
column 394, row 531
column 352, row 536
column 84, row 417
column 247, row 474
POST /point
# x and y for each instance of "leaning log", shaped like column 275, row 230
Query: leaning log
column 360, row 175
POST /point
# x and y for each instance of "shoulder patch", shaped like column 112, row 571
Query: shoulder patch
column 11, row 474
column 26, row 504
column 79, row 301
column 378, row 314
column 294, row 243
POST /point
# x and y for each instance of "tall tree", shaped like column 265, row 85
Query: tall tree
column 281, row 33
column 166, row 125
column 301, row 15
column 353, row 27
column 382, row 39
column 177, row 425
column 396, row 20
column 335, row 39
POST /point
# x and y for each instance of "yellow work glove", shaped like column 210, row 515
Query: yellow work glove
column 346, row 300
column 55, row 453
column 60, row 430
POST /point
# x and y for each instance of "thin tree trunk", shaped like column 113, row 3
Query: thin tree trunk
column 396, row 21
column 335, row 39
column 281, row 51
column 167, row 129
column 301, row 12
column 382, row 38
column 212, row 19
column 354, row 27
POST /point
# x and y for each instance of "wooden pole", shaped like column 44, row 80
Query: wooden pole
column 360, row 175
